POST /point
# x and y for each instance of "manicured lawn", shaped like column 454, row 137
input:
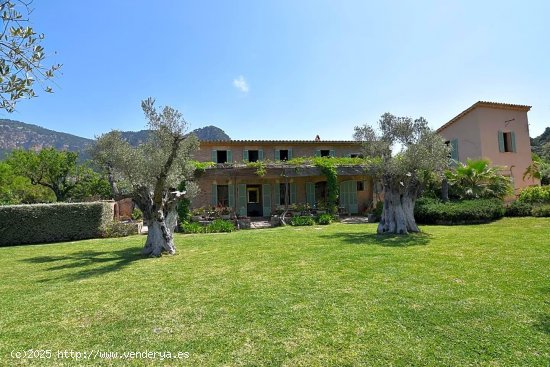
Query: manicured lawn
column 319, row 296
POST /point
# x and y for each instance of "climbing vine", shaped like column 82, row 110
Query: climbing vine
column 328, row 168
column 260, row 166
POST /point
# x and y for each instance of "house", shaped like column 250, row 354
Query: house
column 235, row 180
column 495, row 131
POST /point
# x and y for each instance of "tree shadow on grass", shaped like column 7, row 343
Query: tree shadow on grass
column 386, row 240
column 88, row 264
column 543, row 324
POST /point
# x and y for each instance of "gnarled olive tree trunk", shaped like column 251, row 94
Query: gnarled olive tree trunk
column 161, row 221
column 398, row 212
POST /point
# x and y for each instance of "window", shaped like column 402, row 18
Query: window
column 360, row 186
column 453, row 152
column 283, row 155
column 325, row 153
column 506, row 141
column 508, row 145
column 253, row 156
column 321, row 191
column 223, row 195
column 283, row 199
column 221, row 156
column 356, row 155
column 253, row 195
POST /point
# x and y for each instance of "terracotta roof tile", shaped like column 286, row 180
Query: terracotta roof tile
column 486, row 104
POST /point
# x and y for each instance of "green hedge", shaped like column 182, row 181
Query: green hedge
column 535, row 195
column 40, row 223
column 519, row 209
column 433, row 211
column 541, row 211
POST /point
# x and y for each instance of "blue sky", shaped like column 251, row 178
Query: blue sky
column 288, row 69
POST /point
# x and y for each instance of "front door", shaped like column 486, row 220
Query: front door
column 348, row 196
column 254, row 201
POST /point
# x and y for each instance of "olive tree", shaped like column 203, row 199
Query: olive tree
column 404, row 153
column 21, row 55
column 150, row 172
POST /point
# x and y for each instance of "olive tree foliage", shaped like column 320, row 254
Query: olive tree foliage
column 151, row 172
column 404, row 155
column 21, row 56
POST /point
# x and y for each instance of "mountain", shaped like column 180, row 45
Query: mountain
column 16, row 134
column 539, row 141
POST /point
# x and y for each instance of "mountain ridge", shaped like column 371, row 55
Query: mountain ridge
column 17, row 134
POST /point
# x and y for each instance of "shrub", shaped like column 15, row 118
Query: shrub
column 518, row 209
column 217, row 226
column 120, row 229
column 302, row 221
column 325, row 219
column 137, row 214
column 535, row 194
column 541, row 211
column 193, row 227
column 432, row 211
column 220, row 225
column 40, row 223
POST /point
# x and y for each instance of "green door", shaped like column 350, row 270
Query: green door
column 241, row 202
column 348, row 196
column 266, row 199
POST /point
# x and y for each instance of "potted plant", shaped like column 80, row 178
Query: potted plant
column 225, row 213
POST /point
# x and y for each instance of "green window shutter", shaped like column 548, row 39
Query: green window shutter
column 353, row 206
column 277, row 193
column 290, row 154
column 229, row 156
column 266, row 202
column 214, row 201
column 241, row 203
column 245, row 155
column 310, row 193
column 513, row 134
column 215, row 156
column 231, row 189
column 317, row 153
column 500, row 141
column 332, row 153
column 260, row 155
column 277, row 155
column 343, row 197
column 292, row 193
column 454, row 149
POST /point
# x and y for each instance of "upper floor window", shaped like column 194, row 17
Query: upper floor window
column 506, row 141
column 325, row 153
column 221, row 156
column 253, row 155
column 283, row 155
column 453, row 154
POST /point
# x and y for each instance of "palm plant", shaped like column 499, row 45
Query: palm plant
column 477, row 179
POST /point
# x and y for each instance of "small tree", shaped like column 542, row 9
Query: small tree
column 151, row 172
column 21, row 55
column 418, row 152
column 51, row 168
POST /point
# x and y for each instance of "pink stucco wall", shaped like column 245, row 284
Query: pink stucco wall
column 477, row 134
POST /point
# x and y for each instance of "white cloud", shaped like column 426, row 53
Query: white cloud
column 241, row 84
